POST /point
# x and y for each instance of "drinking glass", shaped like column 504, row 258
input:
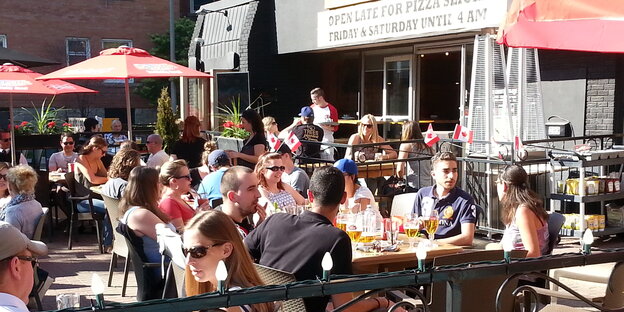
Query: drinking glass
column 430, row 221
column 354, row 228
column 67, row 301
column 410, row 226
column 391, row 228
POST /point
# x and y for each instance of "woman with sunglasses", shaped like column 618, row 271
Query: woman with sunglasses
column 269, row 170
column 522, row 211
column 4, row 187
column 208, row 238
column 176, row 178
column 368, row 133
column 270, row 126
column 59, row 160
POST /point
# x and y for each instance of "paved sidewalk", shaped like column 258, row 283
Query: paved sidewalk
column 73, row 269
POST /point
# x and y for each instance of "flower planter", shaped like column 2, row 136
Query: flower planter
column 37, row 141
column 225, row 143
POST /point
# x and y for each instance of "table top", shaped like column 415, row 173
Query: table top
column 97, row 189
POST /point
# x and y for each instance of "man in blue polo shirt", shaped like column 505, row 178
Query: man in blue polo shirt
column 456, row 209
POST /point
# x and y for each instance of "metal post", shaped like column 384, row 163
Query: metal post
column 173, row 87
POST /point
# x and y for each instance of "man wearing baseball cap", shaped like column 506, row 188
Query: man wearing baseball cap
column 18, row 254
column 305, row 130
column 210, row 187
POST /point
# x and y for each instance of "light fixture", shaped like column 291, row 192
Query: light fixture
column 508, row 246
column 224, row 12
column 327, row 263
column 97, row 287
column 221, row 274
column 421, row 254
column 586, row 241
column 422, row 55
column 446, row 53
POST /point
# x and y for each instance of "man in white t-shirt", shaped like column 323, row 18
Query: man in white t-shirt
column 294, row 176
column 324, row 113
column 157, row 156
column 17, row 255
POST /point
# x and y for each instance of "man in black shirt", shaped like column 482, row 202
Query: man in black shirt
column 305, row 130
column 239, row 187
column 297, row 244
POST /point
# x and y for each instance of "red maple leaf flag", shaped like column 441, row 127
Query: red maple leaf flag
column 462, row 134
column 293, row 142
column 518, row 143
column 274, row 142
column 430, row 136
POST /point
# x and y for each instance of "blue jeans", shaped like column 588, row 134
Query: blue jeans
column 98, row 207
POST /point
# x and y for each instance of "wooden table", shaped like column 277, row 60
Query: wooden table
column 395, row 261
column 376, row 170
column 97, row 189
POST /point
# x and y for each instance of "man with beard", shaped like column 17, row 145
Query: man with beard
column 456, row 209
column 239, row 187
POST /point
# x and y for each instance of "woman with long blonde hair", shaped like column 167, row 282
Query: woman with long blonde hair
column 269, row 170
column 208, row 238
column 368, row 133
column 417, row 173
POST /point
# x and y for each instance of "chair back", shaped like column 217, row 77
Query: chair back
column 149, row 283
column 112, row 208
column 402, row 204
column 70, row 179
column 614, row 294
column 40, row 223
column 271, row 276
column 477, row 294
column 555, row 222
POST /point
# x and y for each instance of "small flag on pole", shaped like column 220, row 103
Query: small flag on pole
column 431, row 137
column 293, row 142
column 462, row 134
column 274, row 142
column 518, row 143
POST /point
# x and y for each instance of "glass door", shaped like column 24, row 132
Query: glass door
column 398, row 88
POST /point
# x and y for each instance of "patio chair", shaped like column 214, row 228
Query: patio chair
column 271, row 276
column 555, row 222
column 613, row 299
column 39, row 228
column 75, row 215
column 402, row 204
column 476, row 294
column 174, row 280
column 42, row 281
column 120, row 249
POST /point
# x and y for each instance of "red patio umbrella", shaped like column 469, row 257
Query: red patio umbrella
column 19, row 80
column 580, row 25
column 124, row 63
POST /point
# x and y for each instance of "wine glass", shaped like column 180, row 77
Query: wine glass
column 429, row 221
column 410, row 226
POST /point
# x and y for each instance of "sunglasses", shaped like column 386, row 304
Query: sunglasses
column 277, row 168
column 3, row 177
column 198, row 252
column 68, row 143
column 367, row 125
column 188, row 176
column 32, row 260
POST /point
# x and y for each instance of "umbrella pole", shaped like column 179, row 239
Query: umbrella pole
column 12, row 127
column 128, row 112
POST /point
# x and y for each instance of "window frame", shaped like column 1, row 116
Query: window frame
column 87, row 52
column 3, row 41
column 126, row 42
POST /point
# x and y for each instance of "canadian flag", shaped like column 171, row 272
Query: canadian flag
column 274, row 142
column 430, row 136
column 293, row 142
column 517, row 143
column 462, row 133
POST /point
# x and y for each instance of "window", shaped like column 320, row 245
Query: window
column 116, row 43
column 78, row 50
column 3, row 41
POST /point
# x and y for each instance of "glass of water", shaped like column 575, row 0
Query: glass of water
column 67, row 301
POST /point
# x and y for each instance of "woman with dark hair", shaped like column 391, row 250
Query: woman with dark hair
column 417, row 173
column 209, row 238
column 255, row 145
column 191, row 144
column 269, row 170
column 123, row 162
column 522, row 211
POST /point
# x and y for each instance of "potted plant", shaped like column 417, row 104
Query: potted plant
column 44, row 130
column 166, row 125
column 233, row 134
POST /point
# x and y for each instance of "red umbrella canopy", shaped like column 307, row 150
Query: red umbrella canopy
column 580, row 25
column 123, row 63
column 16, row 79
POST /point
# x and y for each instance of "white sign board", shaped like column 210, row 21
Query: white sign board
column 390, row 19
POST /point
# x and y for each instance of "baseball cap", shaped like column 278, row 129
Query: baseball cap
column 346, row 166
column 13, row 242
column 306, row 111
column 218, row 158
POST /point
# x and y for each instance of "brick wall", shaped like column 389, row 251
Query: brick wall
column 40, row 28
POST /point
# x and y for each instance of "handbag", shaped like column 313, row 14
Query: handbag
column 393, row 186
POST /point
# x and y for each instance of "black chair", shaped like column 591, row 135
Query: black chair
column 42, row 281
column 120, row 249
column 555, row 222
column 75, row 191
column 150, row 284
